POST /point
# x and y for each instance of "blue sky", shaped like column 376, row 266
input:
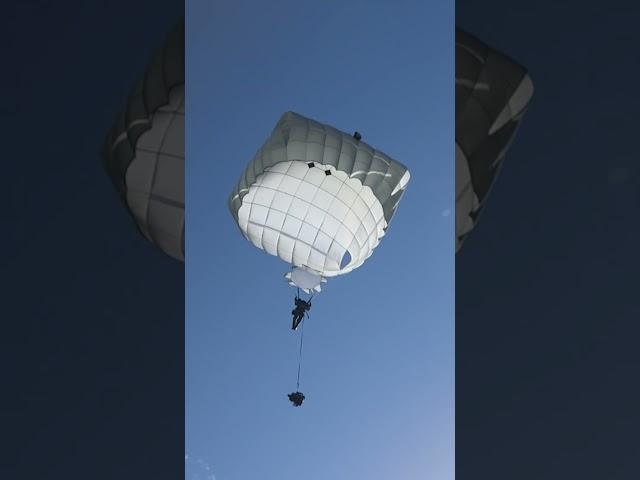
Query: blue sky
column 378, row 366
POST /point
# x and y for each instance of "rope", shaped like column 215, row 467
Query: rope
column 300, row 357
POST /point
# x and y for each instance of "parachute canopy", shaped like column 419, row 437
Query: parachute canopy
column 144, row 152
column 305, row 279
column 492, row 94
column 317, row 198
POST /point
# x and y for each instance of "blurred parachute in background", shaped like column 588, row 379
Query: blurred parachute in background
column 144, row 151
column 492, row 95
column 317, row 198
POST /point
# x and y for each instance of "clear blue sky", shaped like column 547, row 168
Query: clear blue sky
column 378, row 366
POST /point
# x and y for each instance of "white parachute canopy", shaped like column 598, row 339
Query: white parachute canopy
column 317, row 198
column 305, row 280
column 492, row 95
column 144, row 151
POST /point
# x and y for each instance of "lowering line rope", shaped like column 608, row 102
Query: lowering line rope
column 301, row 342
column 300, row 357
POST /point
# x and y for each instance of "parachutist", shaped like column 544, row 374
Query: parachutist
column 296, row 398
column 298, row 313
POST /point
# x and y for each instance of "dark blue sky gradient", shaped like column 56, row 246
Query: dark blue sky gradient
column 546, row 288
column 92, row 353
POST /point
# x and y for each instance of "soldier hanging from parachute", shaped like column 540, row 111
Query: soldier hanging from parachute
column 319, row 199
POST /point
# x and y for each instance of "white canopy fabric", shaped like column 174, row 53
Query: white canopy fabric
column 144, row 153
column 317, row 198
column 305, row 280
column 492, row 95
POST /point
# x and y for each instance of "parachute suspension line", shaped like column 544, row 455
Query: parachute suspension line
column 300, row 357
column 310, row 298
